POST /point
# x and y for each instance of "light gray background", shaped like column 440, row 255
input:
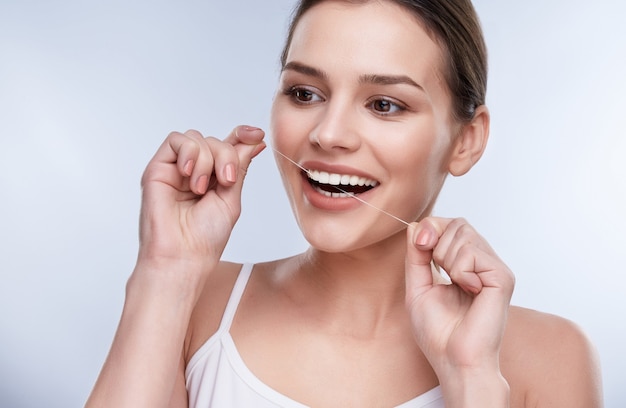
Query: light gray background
column 88, row 90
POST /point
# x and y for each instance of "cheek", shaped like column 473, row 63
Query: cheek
column 419, row 166
column 274, row 122
column 420, row 173
column 284, row 139
column 282, row 131
column 415, row 152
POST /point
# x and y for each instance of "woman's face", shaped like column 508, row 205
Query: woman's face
column 361, row 100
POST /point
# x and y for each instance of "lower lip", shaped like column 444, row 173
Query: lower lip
column 323, row 202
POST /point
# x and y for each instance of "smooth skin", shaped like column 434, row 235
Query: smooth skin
column 359, row 315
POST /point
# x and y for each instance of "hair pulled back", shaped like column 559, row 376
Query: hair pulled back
column 455, row 26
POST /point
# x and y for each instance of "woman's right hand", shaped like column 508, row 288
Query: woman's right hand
column 192, row 195
column 191, row 200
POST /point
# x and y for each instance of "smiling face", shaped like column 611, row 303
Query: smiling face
column 363, row 106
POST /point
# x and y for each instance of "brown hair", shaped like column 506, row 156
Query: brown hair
column 455, row 26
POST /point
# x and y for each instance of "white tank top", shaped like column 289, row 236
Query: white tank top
column 216, row 376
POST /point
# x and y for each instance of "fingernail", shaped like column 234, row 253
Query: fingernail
column 202, row 184
column 251, row 128
column 229, row 173
column 258, row 149
column 188, row 167
column 423, row 237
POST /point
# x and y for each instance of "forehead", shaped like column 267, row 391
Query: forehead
column 370, row 37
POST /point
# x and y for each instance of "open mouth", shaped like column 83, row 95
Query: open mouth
column 339, row 185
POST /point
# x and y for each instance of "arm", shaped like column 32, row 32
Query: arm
column 191, row 200
column 143, row 363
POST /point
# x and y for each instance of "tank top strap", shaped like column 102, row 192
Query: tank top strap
column 235, row 297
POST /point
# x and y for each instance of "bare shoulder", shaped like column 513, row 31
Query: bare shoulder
column 549, row 361
column 209, row 309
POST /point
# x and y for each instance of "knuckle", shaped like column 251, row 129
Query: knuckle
column 193, row 134
column 212, row 143
column 464, row 229
column 191, row 147
column 220, row 148
column 459, row 221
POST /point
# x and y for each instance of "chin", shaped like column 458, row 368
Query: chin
column 344, row 236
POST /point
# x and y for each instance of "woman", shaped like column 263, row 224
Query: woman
column 379, row 100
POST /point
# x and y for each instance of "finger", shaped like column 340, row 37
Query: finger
column 474, row 263
column 463, row 269
column 418, row 270
column 194, row 160
column 248, row 143
column 173, row 161
column 496, row 283
column 457, row 234
column 249, row 135
column 214, row 162
column 454, row 253
column 430, row 234
column 460, row 237
column 225, row 160
column 461, row 233
column 429, row 230
column 217, row 162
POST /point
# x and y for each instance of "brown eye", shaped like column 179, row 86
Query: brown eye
column 386, row 107
column 382, row 105
column 303, row 95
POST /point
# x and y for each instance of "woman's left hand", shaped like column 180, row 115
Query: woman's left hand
column 459, row 326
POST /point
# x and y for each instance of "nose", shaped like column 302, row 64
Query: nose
column 337, row 128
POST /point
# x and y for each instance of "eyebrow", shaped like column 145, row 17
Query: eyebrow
column 389, row 80
column 305, row 70
column 375, row 79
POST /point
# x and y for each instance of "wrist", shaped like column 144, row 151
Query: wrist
column 177, row 279
column 160, row 298
column 475, row 388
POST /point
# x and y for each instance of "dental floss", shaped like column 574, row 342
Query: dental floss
column 348, row 193
column 437, row 270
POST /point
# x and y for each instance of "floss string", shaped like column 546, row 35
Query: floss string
column 346, row 192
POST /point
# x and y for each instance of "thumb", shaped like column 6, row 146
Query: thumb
column 418, row 269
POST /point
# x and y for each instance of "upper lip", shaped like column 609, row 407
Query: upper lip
column 338, row 174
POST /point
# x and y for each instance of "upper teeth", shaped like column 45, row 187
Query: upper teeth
column 335, row 179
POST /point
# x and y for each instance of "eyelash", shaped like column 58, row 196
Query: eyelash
column 399, row 107
column 293, row 91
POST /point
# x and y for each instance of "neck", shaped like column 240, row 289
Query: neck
column 359, row 290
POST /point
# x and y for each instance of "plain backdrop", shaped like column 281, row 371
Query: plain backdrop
column 89, row 89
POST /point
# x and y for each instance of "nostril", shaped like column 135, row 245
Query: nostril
column 334, row 134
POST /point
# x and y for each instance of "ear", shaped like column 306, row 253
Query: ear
column 470, row 143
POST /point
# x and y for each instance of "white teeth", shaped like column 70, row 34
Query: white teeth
column 333, row 195
column 335, row 179
column 323, row 177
